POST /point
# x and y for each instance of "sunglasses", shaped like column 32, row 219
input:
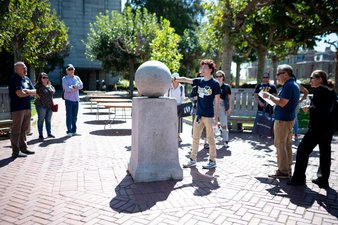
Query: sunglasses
column 44, row 77
column 265, row 77
column 70, row 69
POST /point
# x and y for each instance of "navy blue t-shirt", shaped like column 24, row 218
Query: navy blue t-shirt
column 18, row 83
column 206, row 91
column 291, row 92
column 225, row 92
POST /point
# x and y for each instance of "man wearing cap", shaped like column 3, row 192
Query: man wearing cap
column 21, row 89
column 71, row 85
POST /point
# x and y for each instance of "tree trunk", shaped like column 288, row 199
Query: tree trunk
column 16, row 51
column 227, row 57
column 238, row 73
column 274, row 61
column 261, row 53
column 131, row 77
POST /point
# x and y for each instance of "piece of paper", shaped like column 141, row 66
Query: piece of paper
column 266, row 99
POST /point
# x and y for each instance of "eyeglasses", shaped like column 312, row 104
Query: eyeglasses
column 70, row 69
column 265, row 77
column 280, row 73
column 44, row 77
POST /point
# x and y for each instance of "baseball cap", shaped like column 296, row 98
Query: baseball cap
column 70, row 66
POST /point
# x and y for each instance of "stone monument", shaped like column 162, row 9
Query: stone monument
column 154, row 150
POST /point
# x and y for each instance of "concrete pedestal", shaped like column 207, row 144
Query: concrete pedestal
column 154, row 152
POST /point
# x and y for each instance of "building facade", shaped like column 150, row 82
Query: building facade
column 303, row 63
column 77, row 15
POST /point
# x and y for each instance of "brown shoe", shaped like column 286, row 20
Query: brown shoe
column 279, row 175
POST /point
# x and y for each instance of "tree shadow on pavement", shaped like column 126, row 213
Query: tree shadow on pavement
column 134, row 197
column 302, row 195
column 112, row 132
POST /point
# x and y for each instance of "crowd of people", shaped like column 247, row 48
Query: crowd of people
column 212, row 106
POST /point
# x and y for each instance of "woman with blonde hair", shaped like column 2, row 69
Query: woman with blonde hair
column 44, row 103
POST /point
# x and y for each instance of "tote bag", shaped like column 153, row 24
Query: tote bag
column 264, row 123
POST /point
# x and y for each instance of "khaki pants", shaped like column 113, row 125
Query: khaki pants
column 197, row 131
column 283, row 144
column 20, row 126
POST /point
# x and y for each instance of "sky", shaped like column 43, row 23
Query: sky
column 321, row 45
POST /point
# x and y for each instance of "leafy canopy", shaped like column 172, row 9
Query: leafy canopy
column 31, row 31
column 118, row 39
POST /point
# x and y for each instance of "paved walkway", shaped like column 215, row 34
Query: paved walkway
column 83, row 180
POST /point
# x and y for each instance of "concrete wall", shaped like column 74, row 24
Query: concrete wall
column 77, row 14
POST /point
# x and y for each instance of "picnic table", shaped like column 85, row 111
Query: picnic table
column 107, row 100
column 116, row 110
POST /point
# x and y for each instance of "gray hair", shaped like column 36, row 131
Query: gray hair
column 285, row 68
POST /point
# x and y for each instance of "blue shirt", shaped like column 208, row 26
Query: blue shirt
column 206, row 91
column 17, row 83
column 291, row 92
column 71, row 94
column 225, row 92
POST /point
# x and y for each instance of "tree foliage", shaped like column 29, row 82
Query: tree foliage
column 32, row 32
column 182, row 14
column 117, row 39
column 124, row 40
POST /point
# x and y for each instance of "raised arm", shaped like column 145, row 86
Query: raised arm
column 183, row 80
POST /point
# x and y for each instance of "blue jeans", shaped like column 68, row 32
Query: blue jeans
column 72, row 109
column 44, row 114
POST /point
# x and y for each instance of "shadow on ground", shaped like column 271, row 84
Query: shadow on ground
column 134, row 197
column 112, row 132
column 303, row 196
column 104, row 122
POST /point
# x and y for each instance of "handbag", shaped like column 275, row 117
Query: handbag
column 184, row 109
column 264, row 123
column 55, row 107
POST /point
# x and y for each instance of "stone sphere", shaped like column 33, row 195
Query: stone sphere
column 153, row 78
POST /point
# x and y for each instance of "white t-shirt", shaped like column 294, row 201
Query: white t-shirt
column 176, row 93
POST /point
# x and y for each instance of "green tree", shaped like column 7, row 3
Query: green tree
column 32, row 32
column 122, row 41
column 166, row 39
column 182, row 14
column 225, row 24
column 185, row 17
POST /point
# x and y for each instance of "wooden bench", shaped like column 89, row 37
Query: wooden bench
column 244, row 108
column 5, row 114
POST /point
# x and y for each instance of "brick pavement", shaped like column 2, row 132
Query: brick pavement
column 83, row 180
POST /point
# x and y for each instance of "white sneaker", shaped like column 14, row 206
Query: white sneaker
column 190, row 163
column 210, row 165
column 225, row 145
column 69, row 134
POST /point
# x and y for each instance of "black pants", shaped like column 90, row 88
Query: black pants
column 306, row 146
